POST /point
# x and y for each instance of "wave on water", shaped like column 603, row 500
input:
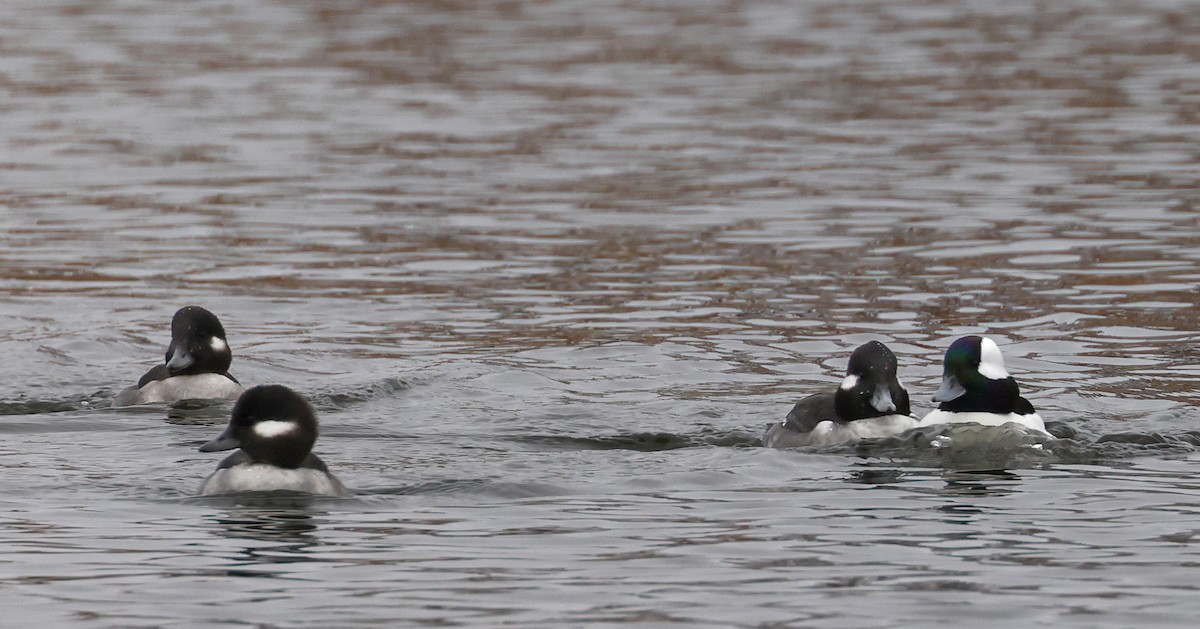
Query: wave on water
column 99, row 399
column 388, row 387
column 646, row 441
column 974, row 447
column 956, row 447
column 964, row 446
column 192, row 411
column 469, row 486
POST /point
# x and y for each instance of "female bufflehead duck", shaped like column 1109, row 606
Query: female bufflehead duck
column 977, row 389
column 870, row 402
column 275, row 430
column 196, row 366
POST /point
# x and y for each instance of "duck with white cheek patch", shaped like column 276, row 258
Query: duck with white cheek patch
column 870, row 402
column 977, row 389
column 196, row 366
column 274, row 430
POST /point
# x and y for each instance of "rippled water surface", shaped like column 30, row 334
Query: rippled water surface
column 547, row 269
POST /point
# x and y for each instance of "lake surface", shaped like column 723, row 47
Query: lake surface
column 548, row 269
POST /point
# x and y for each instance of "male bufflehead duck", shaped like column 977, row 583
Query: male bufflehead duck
column 977, row 389
column 275, row 430
column 196, row 366
column 870, row 402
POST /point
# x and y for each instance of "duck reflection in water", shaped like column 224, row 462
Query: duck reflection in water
column 281, row 533
column 979, row 483
column 875, row 476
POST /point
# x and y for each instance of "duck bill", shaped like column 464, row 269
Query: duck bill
column 179, row 359
column 225, row 442
column 882, row 401
column 950, row 390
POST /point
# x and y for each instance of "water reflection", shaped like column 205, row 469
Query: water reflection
column 283, row 529
column 197, row 412
column 876, row 476
column 979, row 483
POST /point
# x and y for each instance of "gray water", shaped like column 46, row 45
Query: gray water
column 547, row 269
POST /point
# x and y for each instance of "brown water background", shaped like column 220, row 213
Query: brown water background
column 548, row 268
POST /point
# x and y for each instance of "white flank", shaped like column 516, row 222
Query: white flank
column 261, row 477
column 876, row 427
column 217, row 344
column 991, row 362
column 273, row 428
column 850, row 382
column 1033, row 421
column 831, row 433
column 202, row 386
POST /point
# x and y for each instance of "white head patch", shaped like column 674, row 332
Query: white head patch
column 850, row 382
column 273, row 428
column 217, row 344
column 991, row 363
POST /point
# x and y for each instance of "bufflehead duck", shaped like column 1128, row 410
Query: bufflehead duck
column 870, row 402
column 977, row 389
column 196, row 365
column 275, row 430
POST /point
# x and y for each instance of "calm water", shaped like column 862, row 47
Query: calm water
column 547, row 270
